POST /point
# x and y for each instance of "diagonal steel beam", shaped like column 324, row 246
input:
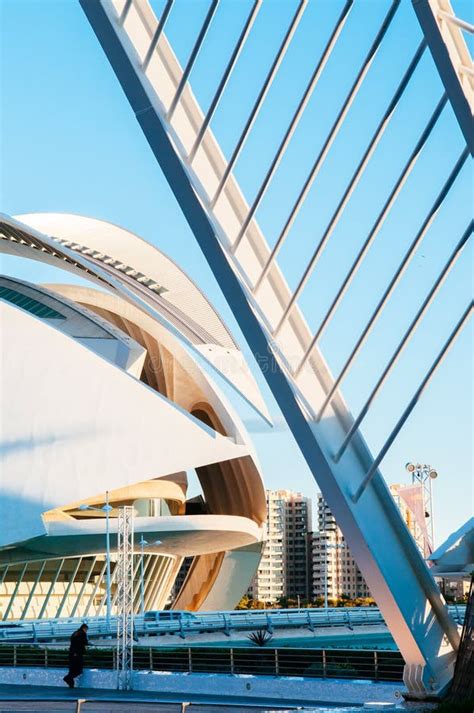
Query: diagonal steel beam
column 412, row 605
column 445, row 66
column 157, row 34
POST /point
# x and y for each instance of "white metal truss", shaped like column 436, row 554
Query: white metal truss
column 125, row 596
column 423, row 476
column 444, row 31
column 253, row 275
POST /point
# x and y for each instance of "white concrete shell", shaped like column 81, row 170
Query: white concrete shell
column 104, row 396
column 112, row 257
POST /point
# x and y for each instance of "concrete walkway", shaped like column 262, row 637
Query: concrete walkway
column 218, row 689
column 51, row 699
column 32, row 699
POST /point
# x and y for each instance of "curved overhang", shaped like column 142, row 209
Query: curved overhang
column 86, row 327
column 170, row 488
column 182, row 536
column 455, row 557
column 150, row 333
column 180, row 378
column 105, row 423
column 238, row 566
column 121, row 262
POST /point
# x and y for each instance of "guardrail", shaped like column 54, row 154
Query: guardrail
column 256, row 661
column 184, row 623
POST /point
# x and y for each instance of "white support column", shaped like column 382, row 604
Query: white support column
column 83, row 586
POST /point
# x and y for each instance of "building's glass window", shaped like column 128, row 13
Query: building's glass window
column 29, row 304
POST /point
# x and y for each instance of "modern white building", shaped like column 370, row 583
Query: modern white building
column 283, row 568
column 105, row 396
column 332, row 568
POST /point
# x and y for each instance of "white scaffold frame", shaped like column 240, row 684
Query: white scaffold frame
column 125, row 596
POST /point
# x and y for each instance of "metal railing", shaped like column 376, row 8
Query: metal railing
column 185, row 624
column 256, row 661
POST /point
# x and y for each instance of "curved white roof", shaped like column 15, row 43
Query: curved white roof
column 120, row 261
column 126, row 254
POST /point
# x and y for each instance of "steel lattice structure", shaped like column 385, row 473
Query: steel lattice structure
column 270, row 304
column 125, row 597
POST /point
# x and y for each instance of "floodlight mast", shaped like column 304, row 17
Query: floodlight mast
column 424, row 476
column 143, row 544
column 106, row 508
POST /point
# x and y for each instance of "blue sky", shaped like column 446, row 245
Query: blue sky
column 70, row 143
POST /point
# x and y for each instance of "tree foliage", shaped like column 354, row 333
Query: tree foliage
column 248, row 602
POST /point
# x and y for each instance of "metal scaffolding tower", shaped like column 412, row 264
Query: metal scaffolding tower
column 423, row 475
column 125, row 580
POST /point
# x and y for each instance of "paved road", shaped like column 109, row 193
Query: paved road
column 87, row 707
column 109, row 707
column 46, row 699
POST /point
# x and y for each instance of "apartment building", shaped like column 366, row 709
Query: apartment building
column 331, row 566
column 283, row 568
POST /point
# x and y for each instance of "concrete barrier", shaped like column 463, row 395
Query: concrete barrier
column 210, row 687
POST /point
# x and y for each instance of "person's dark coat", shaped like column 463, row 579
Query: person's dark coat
column 77, row 650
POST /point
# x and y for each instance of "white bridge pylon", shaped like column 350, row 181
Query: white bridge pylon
column 252, row 271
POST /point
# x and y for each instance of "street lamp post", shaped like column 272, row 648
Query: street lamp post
column 143, row 543
column 325, row 573
column 106, row 508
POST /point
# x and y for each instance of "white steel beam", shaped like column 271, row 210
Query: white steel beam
column 68, row 587
column 385, row 551
column 14, row 593
column 32, row 590
column 444, row 33
column 87, row 576
column 192, row 57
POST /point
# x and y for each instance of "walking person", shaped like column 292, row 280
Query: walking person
column 77, row 649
